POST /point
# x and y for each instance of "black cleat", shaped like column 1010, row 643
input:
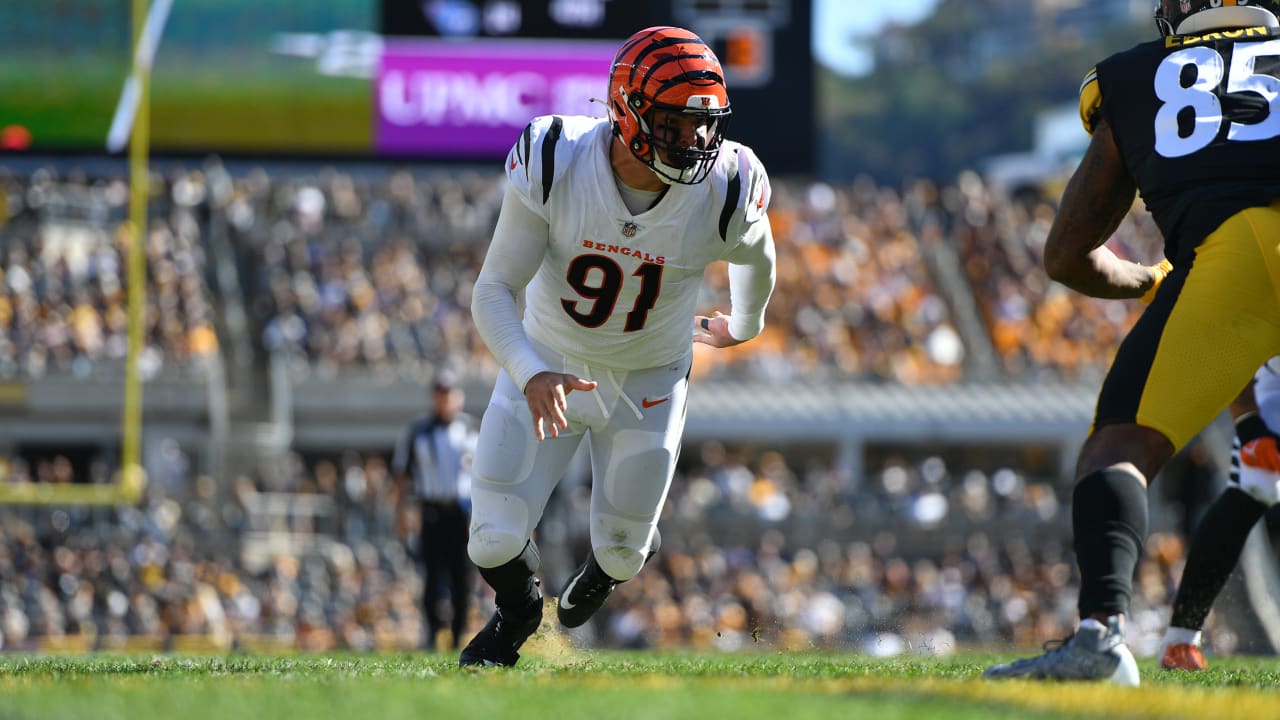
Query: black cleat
column 585, row 592
column 497, row 642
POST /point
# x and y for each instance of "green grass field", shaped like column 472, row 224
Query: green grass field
column 216, row 83
column 556, row 681
column 271, row 104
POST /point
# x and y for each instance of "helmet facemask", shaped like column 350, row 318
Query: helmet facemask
column 679, row 143
column 1163, row 24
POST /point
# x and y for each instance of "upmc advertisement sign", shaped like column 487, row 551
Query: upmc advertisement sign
column 441, row 98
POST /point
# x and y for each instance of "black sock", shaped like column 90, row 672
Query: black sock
column 1109, row 516
column 1250, row 427
column 1215, row 551
column 513, row 583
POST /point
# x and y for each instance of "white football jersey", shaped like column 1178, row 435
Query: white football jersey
column 1266, row 391
column 615, row 289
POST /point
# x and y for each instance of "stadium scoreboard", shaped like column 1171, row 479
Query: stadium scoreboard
column 763, row 45
column 548, row 19
column 396, row 79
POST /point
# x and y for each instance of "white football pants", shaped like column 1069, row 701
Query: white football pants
column 633, row 421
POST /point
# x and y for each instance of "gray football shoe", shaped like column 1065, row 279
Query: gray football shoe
column 1095, row 652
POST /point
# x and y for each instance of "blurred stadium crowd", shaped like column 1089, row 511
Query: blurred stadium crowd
column 740, row 566
column 344, row 272
column 347, row 271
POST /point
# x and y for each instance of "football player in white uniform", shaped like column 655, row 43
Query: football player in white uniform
column 1254, row 486
column 607, row 227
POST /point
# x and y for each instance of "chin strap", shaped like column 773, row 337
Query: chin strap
column 613, row 122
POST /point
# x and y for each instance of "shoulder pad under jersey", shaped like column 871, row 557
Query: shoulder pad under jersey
column 542, row 155
column 742, row 186
column 1090, row 100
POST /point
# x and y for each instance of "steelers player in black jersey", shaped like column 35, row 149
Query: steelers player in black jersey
column 1191, row 123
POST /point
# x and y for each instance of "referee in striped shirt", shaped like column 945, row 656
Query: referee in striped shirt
column 435, row 452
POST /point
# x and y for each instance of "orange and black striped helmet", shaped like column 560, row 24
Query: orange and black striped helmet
column 668, row 103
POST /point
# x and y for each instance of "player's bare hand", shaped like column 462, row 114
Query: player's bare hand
column 546, row 393
column 713, row 330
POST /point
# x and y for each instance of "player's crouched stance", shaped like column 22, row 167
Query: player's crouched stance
column 607, row 227
column 1170, row 120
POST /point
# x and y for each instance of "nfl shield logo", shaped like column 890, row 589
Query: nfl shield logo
column 629, row 229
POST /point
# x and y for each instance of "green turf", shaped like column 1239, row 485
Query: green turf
column 62, row 105
column 224, row 103
column 278, row 105
column 567, row 684
column 216, row 83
